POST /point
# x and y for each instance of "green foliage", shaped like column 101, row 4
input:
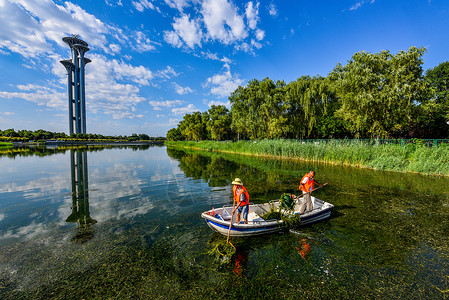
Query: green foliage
column 218, row 122
column 411, row 157
column 288, row 220
column 221, row 250
column 311, row 103
column 174, row 134
column 377, row 95
column 5, row 145
column 193, row 127
column 259, row 110
column 287, row 201
column 379, row 92
column 42, row 135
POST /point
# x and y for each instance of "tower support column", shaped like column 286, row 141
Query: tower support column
column 76, row 84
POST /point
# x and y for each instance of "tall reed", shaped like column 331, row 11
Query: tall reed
column 412, row 157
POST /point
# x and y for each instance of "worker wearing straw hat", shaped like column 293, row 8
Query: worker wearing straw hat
column 241, row 199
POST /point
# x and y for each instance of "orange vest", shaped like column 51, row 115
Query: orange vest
column 308, row 186
column 237, row 196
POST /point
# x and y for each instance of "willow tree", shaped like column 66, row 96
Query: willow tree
column 308, row 102
column 257, row 109
column 379, row 92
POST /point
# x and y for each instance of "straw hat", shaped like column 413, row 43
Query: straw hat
column 237, row 181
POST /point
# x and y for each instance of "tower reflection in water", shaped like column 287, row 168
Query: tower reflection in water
column 80, row 197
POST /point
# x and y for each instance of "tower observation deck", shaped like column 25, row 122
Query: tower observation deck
column 75, row 83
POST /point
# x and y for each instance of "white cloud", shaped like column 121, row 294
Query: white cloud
column 222, row 21
column 184, row 110
column 159, row 105
column 360, row 3
column 173, row 39
column 182, row 90
column 29, row 27
column 216, row 21
column 143, row 43
column 178, row 4
column 49, row 98
column 115, row 48
column 252, row 14
column 223, row 84
column 214, row 56
column 186, row 29
column 168, row 73
column 120, row 70
column 217, row 103
column 141, row 5
column 173, row 122
column 104, row 94
column 260, row 34
column 256, row 44
column 114, row 3
column 272, row 10
column 7, row 113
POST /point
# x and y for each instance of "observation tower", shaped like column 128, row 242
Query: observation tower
column 75, row 83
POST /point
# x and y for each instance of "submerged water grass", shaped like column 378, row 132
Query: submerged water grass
column 413, row 157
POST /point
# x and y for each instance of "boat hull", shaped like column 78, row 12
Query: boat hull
column 219, row 219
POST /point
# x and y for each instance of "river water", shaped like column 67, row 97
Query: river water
column 125, row 223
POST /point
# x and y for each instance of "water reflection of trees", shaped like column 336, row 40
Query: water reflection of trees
column 263, row 180
column 384, row 217
column 52, row 150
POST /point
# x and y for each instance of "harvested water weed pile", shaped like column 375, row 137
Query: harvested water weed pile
column 284, row 213
column 221, row 250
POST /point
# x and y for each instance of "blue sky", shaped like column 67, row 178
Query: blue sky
column 153, row 61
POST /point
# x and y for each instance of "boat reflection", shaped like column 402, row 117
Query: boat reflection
column 80, row 197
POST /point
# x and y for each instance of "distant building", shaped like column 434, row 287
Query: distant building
column 75, row 83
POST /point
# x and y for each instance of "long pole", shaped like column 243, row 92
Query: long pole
column 315, row 189
column 230, row 222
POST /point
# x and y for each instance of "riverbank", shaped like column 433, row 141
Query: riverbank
column 6, row 145
column 413, row 157
column 58, row 143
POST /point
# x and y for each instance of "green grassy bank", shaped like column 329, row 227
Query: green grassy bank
column 406, row 157
column 5, row 145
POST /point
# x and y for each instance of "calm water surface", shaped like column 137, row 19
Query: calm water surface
column 125, row 223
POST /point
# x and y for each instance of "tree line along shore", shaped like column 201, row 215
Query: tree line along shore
column 10, row 136
column 375, row 95
column 412, row 156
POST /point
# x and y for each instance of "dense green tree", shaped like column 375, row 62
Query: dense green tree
column 144, row 137
column 274, row 109
column 218, row 122
column 312, row 103
column 258, row 110
column 10, row 133
column 192, row 127
column 379, row 92
column 433, row 121
column 438, row 79
column 175, row 134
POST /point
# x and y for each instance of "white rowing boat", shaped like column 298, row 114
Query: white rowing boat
column 218, row 219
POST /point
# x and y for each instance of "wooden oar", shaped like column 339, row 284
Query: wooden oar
column 230, row 223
